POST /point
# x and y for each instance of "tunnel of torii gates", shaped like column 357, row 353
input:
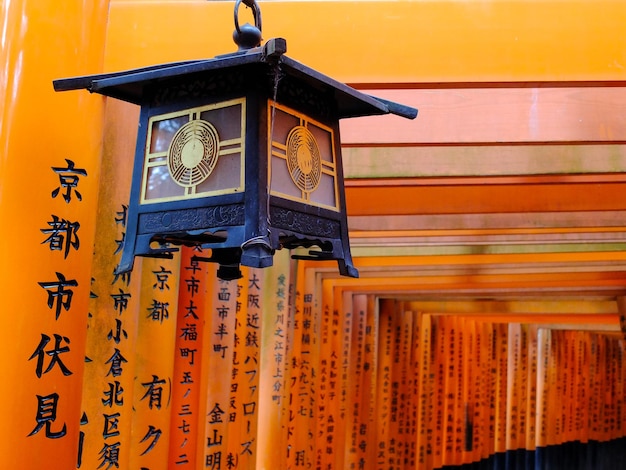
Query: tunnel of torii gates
column 489, row 234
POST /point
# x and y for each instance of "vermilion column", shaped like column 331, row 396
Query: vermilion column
column 49, row 165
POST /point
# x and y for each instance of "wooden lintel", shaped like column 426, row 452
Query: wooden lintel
column 497, row 115
column 399, row 199
column 483, row 161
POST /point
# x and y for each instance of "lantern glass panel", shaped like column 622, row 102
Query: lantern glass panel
column 195, row 152
column 303, row 164
column 162, row 132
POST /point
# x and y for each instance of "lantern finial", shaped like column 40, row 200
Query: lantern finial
column 248, row 36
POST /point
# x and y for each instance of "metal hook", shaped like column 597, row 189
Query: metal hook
column 248, row 36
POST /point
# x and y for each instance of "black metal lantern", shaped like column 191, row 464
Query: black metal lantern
column 239, row 154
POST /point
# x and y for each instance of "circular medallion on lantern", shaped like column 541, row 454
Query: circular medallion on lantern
column 303, row 159
column 193, row 153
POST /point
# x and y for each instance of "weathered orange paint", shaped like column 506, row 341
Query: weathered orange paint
column 120, row 132
column 569, row 112
column 449, row 160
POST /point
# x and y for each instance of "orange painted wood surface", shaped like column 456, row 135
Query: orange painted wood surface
column 108, row 384
column 153, row 382
column 494, row 114
column 186, row 427
column 217, row 369
column 46, row 143
column 389, row 160
column 243, row 413
column 278, row 399
column 514, row 223
column 400, row 197
column 391, row 42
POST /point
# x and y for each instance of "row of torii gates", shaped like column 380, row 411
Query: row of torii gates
column 485, row 329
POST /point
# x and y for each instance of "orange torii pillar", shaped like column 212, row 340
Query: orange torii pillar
column 49, row 165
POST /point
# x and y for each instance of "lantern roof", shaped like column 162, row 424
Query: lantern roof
column 136, row 85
